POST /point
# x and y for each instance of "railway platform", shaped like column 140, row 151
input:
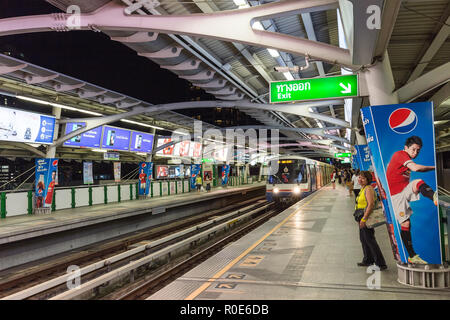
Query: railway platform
column 309, row 251
column 31, row 237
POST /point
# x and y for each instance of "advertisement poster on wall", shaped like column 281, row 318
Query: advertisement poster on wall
column 145, row 177
column 22, row 126
column 88, row 177
column 89, row 139
column 225, row 174
column 117, row 167
column 401, row 142
column 195, row 171
column 116, row 138
column 363, row 157
column 45, row 173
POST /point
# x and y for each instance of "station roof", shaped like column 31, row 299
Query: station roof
column 232, row 71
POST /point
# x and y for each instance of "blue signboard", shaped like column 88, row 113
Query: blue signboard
column 116, row 138
column 89, row 139
column 195, row 171
column 225, row 174
column 363, row 157
column 141, row 142
column 45, row 173
column 401, row 142
column 22, row 126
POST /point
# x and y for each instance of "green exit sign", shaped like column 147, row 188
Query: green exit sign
column 342, row 155
column 314, row 89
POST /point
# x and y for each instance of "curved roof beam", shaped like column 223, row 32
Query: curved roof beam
column 112, row 16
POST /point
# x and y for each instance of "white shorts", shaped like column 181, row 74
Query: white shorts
column 401, row 201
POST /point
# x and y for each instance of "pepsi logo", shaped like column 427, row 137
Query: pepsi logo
column 144, row 165
column 403, row 120
column 55, row 163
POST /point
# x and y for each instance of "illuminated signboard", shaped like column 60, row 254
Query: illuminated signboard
column 141, row 142
column 182, row 148
column 162, row 172
column 116, row 138
column 22, row 126
column 168, row 151
column 89, row 139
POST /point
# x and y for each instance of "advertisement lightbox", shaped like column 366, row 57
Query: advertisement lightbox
column 89, row 139
column 22, row 126
column 116, row 138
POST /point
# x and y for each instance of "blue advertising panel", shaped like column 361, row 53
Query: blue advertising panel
column 363, row 157
column 141, row 142
column 116, row 138
column 88, row 177
column 22, row 126
column 401, row 142
column 145, row 177
column 45, row 173
column 225, row 174
column 89, row 139
column 195, row 171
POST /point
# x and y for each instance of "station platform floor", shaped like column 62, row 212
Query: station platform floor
column 308, row 252
column 17, row 228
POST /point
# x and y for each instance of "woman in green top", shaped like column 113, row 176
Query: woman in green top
column 366, row 201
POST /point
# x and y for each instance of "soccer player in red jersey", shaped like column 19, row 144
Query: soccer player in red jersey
column 51, row 188
column 403, row 191
column 142, row 178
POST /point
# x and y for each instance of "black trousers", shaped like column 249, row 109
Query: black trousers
column 371, row 250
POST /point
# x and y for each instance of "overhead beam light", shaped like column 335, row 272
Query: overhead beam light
column 99, row 150
column 142, row 124
column 241, row 4
column 58, row 105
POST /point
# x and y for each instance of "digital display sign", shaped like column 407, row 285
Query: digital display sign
column 116, row 138
column 168, row 151
column 141, row 142
column 162, row 172
column 22, row 126
column 89, row 139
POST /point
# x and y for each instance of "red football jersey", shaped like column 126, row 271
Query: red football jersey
column 397, row 173
column 49, row 197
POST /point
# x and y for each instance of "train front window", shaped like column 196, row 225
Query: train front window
column 289, row 172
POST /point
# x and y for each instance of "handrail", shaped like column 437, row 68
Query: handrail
column 444, row 191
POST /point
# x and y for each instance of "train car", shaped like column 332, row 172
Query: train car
column 291, row 178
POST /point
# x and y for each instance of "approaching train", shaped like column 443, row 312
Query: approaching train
column 290, row 178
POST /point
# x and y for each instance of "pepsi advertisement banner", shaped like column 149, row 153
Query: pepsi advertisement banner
column 401, row 141
column 195, row 171
column 22, row 126
column 363, row 157
column 141, row 142
column 225, row 174
column 45, row 173
column 145, row 177
column 116, row 138
column 89, row 139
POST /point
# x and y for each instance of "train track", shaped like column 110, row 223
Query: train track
column 50, row 279
column 157, row 282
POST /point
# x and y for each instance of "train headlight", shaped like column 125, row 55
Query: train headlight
column 276, row 190
column 297, row 190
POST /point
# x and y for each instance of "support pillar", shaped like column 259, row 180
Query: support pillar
column 380, row 83
column 51, row 151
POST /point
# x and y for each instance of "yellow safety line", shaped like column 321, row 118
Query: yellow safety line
column 203, row 287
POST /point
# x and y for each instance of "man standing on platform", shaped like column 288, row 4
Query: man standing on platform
column 404, row 191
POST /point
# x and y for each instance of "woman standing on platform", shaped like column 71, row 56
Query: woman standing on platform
column 333, row 178
column 366, row 201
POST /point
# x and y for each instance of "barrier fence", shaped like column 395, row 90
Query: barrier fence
column 14, row 203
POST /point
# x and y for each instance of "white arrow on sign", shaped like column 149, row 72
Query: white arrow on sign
column 346, row 89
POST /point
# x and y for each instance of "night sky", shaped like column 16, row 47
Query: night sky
column 93, row 57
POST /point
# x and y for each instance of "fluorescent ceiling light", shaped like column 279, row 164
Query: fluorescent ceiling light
column 183, row 133
column 274, row 53
column 57, row 105
column 99, row 150
column 288, row 75
column 241, row 4
column 141, row 124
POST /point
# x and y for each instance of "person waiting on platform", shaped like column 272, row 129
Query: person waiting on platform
column 366, row 201
column 333, row 178
column 198, row 182
column 355, row 183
